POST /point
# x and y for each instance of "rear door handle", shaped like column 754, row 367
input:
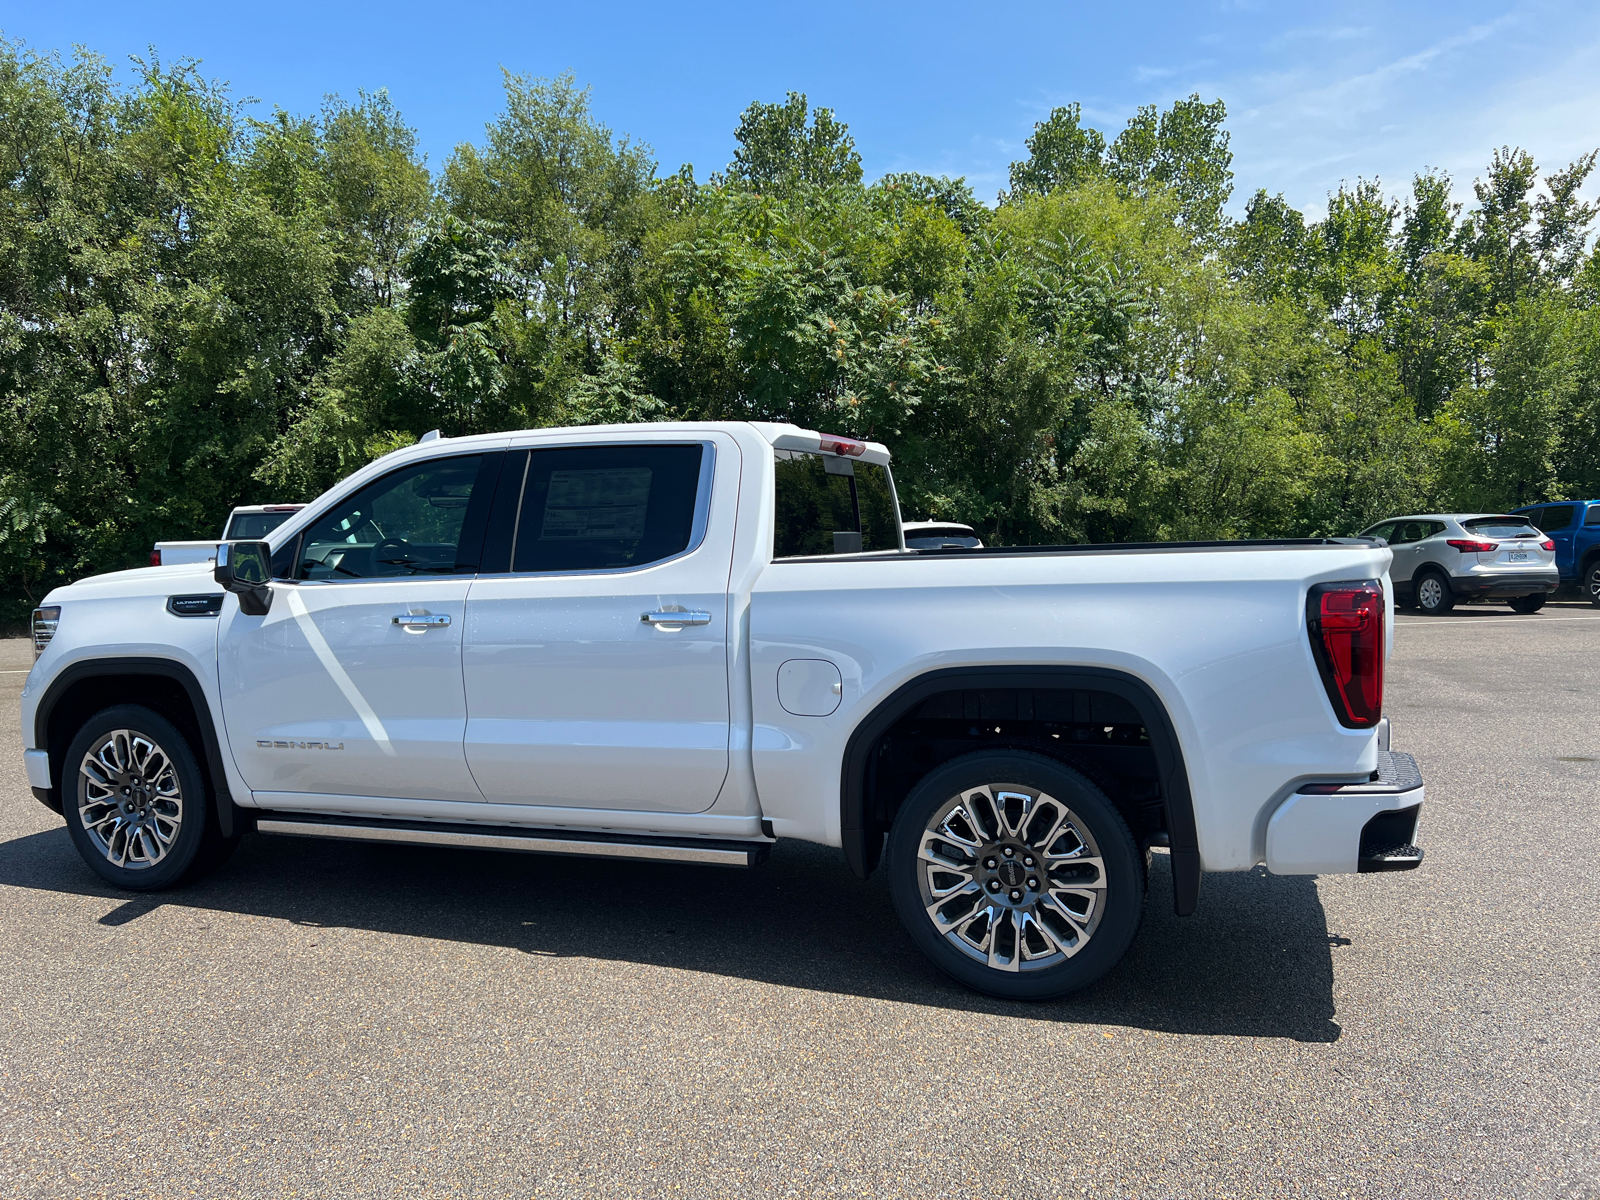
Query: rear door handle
column 422, row 620
column 676, row 618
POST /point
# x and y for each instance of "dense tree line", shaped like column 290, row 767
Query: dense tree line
column 199, row 308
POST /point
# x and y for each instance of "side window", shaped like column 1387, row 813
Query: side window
column 1430, row 529
column 1592, row 517
column 607, row 508
column 1405, row 531
column 1556, row 517
column 828, row 504
column 1384, row 531
column 409, row 522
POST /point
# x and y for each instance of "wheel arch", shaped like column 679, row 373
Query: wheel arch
column 862, row 850
column 169, row 687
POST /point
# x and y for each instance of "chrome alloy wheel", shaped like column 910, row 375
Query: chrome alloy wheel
column 1430, row 592
column 1011, row 877
column 129, row 799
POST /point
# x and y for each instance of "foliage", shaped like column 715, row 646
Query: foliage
column 200, row 309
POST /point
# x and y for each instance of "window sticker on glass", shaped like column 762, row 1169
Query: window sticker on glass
column 601, row 504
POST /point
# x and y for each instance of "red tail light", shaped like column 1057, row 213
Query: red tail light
column 1548, row 544
column 1346, row 622
column 1467, row 547
column 155, row 558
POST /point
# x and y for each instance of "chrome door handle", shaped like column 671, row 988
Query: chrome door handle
column 676, row 618
column 422, row 620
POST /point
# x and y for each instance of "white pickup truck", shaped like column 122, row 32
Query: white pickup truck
column 245, row 523
column 683, row 642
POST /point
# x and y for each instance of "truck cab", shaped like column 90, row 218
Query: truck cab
column 1574, row 526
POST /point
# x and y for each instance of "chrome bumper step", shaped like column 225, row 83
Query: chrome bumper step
column 500, row 837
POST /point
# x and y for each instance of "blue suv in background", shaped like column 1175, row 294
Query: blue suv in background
column 1574, row 526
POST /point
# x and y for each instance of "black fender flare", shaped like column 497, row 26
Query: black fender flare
column 1174, row 776
column 229, row 817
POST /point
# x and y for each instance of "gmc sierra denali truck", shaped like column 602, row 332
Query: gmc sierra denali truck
column 683, row 642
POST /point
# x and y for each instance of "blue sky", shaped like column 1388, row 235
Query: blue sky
column 1316, row 93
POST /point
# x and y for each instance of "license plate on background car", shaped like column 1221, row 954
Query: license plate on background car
column 1516, row 556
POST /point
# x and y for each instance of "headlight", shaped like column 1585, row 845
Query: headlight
column 44, row 627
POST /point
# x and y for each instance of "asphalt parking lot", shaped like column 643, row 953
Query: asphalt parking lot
column 340, row 1020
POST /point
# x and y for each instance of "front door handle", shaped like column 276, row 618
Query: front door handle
column 422, row 620
column 676, row 618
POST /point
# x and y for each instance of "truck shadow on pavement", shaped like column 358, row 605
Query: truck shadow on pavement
column 1254, row 961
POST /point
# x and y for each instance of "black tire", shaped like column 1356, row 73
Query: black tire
column 1433, row 593
column 1527, row 604
column 149, row 824
column 1108, row 899
column 1591, row 582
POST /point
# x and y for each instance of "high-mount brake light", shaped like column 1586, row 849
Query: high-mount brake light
column 1466, row 547
column 833, row 444
column 1548, row 544
column 1346, row 623
column 155, row 558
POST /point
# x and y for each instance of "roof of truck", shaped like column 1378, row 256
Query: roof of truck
column 779, row 435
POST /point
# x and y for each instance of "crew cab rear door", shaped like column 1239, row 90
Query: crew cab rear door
column 597, row 667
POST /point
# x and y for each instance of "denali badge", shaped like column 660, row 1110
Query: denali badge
column 299, row 745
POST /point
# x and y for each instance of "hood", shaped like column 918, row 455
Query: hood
column 140, row 581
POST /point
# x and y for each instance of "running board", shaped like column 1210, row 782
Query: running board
column 500, row 837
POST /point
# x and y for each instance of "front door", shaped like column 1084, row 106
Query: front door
column 351, row 684
column 583, row 691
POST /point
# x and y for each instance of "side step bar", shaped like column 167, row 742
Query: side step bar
column 500, row 837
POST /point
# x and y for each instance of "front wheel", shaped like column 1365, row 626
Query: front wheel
column 1015, row 875
column 136, row 803
column 1527, row 604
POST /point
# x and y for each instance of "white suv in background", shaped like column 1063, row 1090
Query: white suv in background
column 1440, row 558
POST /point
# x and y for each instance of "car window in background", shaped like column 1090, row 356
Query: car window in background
column 1592, row 517
column 251, row 527
column 1381, row 531
column 1501, row 527
column 1557, row 516
column 606, row 508
column 828, row 504
column 1407, row 532
column 406, row 523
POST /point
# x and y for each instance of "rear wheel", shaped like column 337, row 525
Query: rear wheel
column 136, row 803
column 1591, row 582
column 1433, row 594
column 1527, row 604
column 1015, row 875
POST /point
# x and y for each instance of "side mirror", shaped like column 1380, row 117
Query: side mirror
column 244, row 568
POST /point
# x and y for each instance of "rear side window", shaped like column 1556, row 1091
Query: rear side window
column 1592, row 517
column 1414, row 531
column 828, row 504
column 607, row 508
column 1557, row 516
column 1501, row 527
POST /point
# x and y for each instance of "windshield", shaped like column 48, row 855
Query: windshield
column 1500, row 527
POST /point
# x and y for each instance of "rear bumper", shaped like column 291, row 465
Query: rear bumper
column 1340, row 829
column 1522, row 583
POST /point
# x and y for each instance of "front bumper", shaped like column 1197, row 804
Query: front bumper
column 1340, row 829
column 1523, row 583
